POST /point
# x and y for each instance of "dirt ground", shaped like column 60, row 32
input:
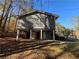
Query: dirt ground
column 38, row 49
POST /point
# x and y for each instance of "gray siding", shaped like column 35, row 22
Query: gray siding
column 36, row 21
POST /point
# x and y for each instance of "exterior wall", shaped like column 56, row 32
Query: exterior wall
column 36, row 35
column 36, row 22
column 48, row 35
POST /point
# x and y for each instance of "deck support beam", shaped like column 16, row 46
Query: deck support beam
column 53, row 35
column 30, row 34
column 54, row 28
column 17, row 36
column 41, row 34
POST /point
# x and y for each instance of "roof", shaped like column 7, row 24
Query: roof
column 37, row 11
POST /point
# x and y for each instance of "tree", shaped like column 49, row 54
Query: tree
column 59, row 29
column 75, row 22
column 5, row 13
column 62, row 31
column 8, row 8
column 25, row 6
column 66, row 33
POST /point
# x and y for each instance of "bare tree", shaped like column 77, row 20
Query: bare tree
column 23, row 5
column 5, row 14
column 2, row 13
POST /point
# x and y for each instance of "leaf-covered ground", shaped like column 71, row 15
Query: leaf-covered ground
column 45, row 49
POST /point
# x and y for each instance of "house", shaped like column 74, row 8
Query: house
column 37, row 25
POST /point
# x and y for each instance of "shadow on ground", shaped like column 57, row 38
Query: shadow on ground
column 8, row 47
column 45, row 49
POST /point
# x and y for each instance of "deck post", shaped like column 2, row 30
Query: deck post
column 54, row 29
column 30, row 34
column 53, row 35
column 17, row 36
column 41, row 34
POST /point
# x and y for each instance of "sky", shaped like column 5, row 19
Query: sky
column 65, row 9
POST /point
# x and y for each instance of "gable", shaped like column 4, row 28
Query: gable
column 40, row 12
column 36, row 21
